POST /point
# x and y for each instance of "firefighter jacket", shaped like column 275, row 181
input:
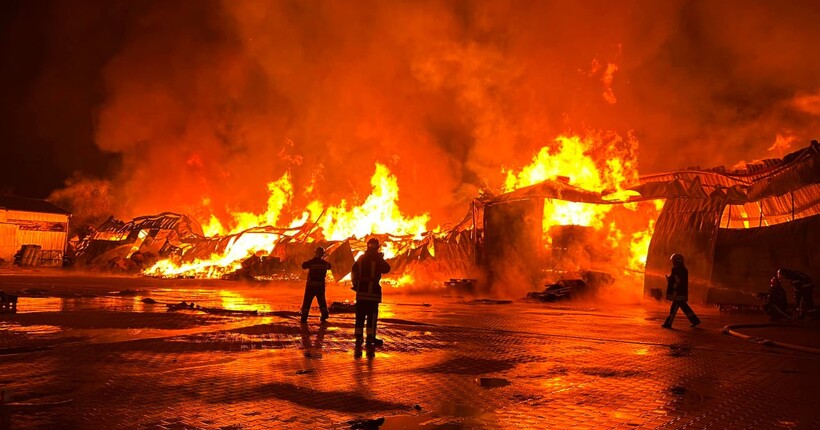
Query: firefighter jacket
column 317, row 270
column 366, row 273
column 800, row 281
column 677, row 284
column 777, row 296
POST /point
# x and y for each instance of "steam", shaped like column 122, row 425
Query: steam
column 208, row 102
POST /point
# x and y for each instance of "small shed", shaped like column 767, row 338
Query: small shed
column 37, row 227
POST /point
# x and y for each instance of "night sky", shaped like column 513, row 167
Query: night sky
column 50, row 81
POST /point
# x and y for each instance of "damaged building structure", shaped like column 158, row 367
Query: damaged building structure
column 734, row 227
column 136, row 245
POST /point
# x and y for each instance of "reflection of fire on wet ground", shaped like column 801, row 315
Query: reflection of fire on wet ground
column 223, row 299
column 466, row 365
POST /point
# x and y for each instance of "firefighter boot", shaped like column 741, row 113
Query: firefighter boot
column 357, row 349
column 374, row 341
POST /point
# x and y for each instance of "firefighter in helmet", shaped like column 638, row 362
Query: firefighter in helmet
column 776, row 304
column 677, row 290
column 365, row 275
column 803, row 291
column 317, row 269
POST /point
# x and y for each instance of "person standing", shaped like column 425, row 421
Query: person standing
column 803, row 291
column 365, row 274
column 677, row 290
column 317, row 269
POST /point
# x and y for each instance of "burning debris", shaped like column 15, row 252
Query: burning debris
column 565, row 227
column 564, row 289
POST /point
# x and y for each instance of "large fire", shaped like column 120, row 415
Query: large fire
column 600, row 162
column 378, row 214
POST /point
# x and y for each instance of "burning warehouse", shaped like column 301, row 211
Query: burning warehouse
column 539, row 231
column 270, row 161
column 431, row 175
column 737, row 227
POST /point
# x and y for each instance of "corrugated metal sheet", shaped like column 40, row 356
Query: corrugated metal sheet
column 49, row 241
column 35, row 216
column 746, row 259
column 798, row 204
column 764, row 202
column 796, row 170
column 687, row 227
column 8, row 241
column 49, row 231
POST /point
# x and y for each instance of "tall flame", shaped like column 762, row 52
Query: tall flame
column 596, row 161
column 378, row 214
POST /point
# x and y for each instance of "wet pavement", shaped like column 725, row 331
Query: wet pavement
column 84, row 353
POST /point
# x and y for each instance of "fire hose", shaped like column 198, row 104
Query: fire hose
column 732, row 330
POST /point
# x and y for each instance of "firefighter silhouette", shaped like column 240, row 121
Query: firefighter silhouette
column 803, row 287
column 317, row 269
column 677, row 290
column 776, row 303
column 365, row 274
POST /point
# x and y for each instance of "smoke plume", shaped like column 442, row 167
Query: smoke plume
column 208, row 101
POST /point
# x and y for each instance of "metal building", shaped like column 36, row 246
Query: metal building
column 37, row 227
column 736, row 228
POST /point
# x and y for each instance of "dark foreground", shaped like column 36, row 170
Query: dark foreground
column 82, row 356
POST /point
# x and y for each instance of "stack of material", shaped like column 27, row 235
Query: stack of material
column 30, row 255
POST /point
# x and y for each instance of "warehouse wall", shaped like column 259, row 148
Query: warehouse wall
column 18, row 228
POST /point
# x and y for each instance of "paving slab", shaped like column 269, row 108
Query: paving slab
column 82, row 355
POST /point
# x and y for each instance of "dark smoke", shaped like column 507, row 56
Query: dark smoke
column 211, row 100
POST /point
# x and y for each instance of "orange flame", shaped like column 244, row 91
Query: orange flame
column 379, row 214
column 598, row 162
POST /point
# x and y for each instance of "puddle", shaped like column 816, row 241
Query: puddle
column 34, row 330
column 133, row 301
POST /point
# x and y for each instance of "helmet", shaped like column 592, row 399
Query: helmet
column 774, row 282
column 373, row 243
column 676, row 258
column 320, row 251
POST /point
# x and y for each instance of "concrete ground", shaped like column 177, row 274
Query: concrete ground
column 81, row 354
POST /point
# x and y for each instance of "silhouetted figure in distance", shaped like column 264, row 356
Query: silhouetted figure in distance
column 776, row 304
column 803, row 291
column 677, row 290
column 365, row 274
column 317, row 269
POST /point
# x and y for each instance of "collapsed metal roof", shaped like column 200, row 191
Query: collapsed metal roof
column 759, row 180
